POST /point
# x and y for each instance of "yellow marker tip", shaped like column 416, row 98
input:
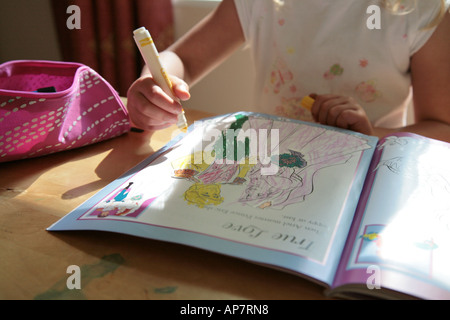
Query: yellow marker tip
column 307, row 102
column 182, row 123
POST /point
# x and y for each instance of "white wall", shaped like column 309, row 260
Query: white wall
column 27, row 31
column 228, row 88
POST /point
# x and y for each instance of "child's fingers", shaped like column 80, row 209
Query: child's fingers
column 340, row 111
column 149, row 107
column 336, row 115
column 156, row 106
column 144, row 116
column 327, row 108
column 351, row 117
column 158, row 98
column 347, row 119
column 355, row 120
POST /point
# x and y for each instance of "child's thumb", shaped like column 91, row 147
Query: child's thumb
column 180, row 89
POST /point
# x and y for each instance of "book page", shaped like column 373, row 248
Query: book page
column 260, row 188
column 404, row 230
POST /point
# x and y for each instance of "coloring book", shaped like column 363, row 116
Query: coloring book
column 357, row 215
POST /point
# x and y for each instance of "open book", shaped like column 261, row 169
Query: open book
column 360, row 216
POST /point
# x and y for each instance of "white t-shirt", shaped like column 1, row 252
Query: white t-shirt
column 301, row 47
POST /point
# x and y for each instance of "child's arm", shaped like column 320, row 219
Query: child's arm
column 430, row 69
column 186, row 61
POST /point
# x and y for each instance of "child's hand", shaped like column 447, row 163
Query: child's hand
column 150, row 108
column 340, row 111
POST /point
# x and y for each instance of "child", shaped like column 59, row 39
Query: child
column 358, row 59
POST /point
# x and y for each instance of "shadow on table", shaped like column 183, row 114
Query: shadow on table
column 126, row 151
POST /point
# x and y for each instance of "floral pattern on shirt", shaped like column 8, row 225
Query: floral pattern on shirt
column 367, row 91
column 291, row 108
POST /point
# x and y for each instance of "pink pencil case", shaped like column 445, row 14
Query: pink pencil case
column 50, row 106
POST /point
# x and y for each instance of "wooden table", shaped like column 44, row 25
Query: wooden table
column 35, row 193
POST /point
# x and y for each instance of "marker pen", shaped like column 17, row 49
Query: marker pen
column 150, row 54
column 307, row 102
